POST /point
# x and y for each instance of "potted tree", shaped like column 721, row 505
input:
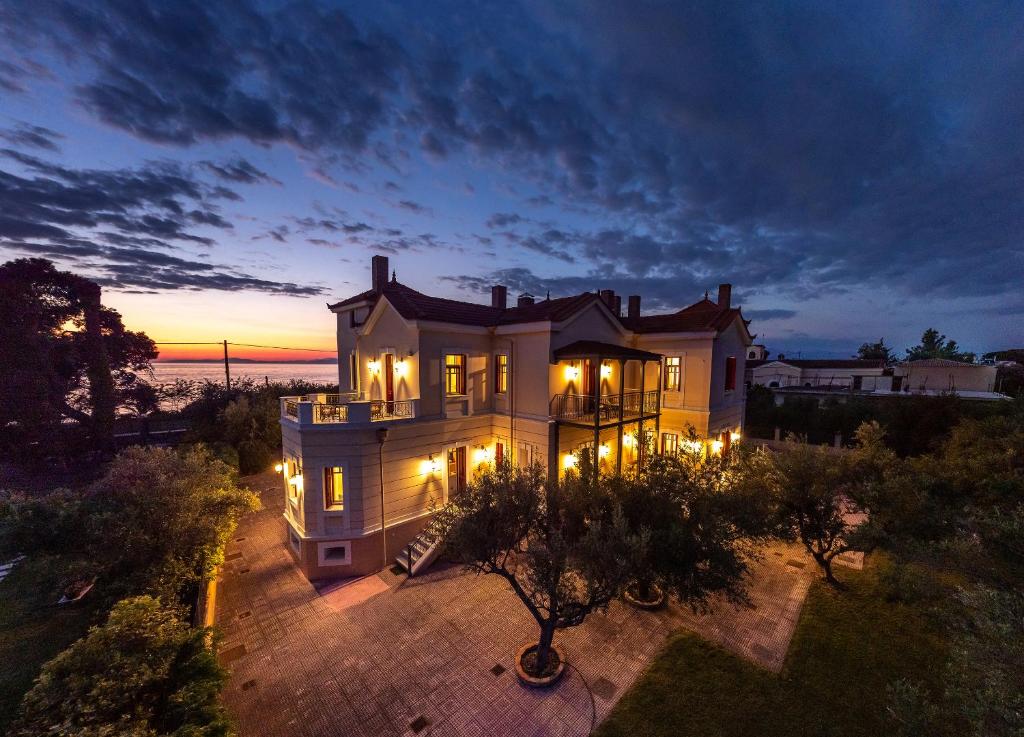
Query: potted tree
column 564, row 549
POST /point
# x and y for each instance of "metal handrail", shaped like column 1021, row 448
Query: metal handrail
column 325, row 413
column 581, row 406
column 381, row 409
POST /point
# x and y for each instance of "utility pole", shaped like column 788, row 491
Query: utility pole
column 227, row 368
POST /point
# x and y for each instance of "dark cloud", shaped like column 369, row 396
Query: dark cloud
column 503, row 219
column 412, row 207
column 797, row 146
column 32, row 136
column 133, row 269
column 239, row 171
column 122, row 226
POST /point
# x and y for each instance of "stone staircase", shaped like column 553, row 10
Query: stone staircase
column 421, row 552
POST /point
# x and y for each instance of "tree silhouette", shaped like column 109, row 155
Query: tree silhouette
column 934, row 345
column 64, row 356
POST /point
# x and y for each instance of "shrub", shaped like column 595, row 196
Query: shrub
column 144, row 672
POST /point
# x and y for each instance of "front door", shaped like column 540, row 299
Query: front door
column 389, row 380
column 456, row 469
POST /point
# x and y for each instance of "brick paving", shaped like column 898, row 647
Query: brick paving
column 422, row 653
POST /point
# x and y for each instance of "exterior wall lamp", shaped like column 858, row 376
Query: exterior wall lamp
column 603, row 450
column 572, row 373
column 570, row 460
column 606, row 370
column 374, row 367
column 278, row 468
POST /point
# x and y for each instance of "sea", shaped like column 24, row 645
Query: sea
column 168, row 372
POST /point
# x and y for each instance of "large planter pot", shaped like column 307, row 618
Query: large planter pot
column 539, row 681
column 655, row 601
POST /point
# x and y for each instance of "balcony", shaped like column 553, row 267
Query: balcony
column 579, row 409
column 344, row 409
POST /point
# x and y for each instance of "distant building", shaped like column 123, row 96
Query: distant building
column 942, row 376
column 820, row 374
column 757, row 352
column 843, row 377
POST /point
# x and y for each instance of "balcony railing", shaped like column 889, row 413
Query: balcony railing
column 581, row 407
column 394, row 410
column 330, row 409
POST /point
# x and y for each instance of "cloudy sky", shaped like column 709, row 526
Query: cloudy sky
column 224, row 169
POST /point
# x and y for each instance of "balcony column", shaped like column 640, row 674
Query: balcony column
column 640, row 422
column 622, row 407
column 657, row 406
column 597, row 416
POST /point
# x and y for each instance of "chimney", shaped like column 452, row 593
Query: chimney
column 608, row 297
column 499, row 296
column 379, row 271
column 725, row 295
column 633, row 308
column 524, row 300
column 618, row 306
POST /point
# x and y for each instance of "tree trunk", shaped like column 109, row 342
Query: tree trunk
column 547, row 635
column 826, row 567
column 101, row 383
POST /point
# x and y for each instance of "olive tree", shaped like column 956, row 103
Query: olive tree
column 563, row 548
column 703, row 525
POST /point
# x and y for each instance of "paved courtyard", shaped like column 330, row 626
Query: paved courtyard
column 433, row 655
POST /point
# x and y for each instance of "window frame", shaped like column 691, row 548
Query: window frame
column 458, row 371
column 675, row 443
column 329, row 490
column 501, row 372
column 678, row 373
column 730, row 374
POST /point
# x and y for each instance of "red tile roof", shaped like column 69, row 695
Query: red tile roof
column 412, row 305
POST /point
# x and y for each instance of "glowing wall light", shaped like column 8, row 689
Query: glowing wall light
column 401, row 368
column 572, row 373
column 296, row 481
column 734, row 436
column 278, row 468
column 716, row 446
column 628, row 441
column 606, row 370
column 481, row 455
column 603, row 450
column 374, row 367
column 429, row 466
column 694, row 446
column 570, row 460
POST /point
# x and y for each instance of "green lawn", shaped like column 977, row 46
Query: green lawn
column 32, row 630
column 848, row 647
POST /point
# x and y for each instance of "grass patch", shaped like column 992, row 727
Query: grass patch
column 849, row 645
column 32, row 629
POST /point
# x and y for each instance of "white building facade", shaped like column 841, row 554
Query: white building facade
column 432, row 390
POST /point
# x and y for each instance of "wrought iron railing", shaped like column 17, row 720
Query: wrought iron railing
column 384, row 410
column 291, row 408
column 325, row 413
column 581, row 406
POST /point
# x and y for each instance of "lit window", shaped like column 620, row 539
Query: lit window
column 669, row 443
column 455, row 373
column 673, row 370
column 730, row 373
column 501, row 373
column 334, row 497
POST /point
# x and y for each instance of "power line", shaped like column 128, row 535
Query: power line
column 245, row 345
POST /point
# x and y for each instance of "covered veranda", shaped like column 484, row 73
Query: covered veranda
column 599, row 397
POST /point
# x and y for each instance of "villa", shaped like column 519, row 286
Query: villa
column 433, row 389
